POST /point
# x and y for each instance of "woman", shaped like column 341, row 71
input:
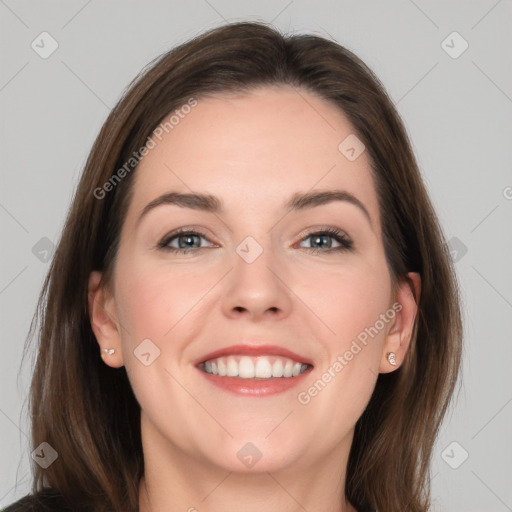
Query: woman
column 251, row 302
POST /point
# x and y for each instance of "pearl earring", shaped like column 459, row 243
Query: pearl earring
column 108, row 351
column 391, row 358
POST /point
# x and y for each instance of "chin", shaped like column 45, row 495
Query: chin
column 256, row 453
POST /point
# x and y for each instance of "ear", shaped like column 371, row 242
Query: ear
column 102, row 316
column 399, row 336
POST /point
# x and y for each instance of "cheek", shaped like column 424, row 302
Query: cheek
column 154, row 298
column 352, row 299
column 350, row 303
column 348, row 300
column 168, row 306
column 159, row 305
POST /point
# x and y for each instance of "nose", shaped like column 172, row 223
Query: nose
column 257, row 290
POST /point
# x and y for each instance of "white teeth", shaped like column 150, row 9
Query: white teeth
column 288, row 369
column 232, row 368
column 221, row 365
column 246, row 367
column 263, row 369
column 277, row 368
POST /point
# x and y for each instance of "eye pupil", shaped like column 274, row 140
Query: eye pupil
column 320, row 238
column 188, row 238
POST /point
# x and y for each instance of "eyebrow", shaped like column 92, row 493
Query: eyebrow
column 212, row 204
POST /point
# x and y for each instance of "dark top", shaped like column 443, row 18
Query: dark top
column 51, row 501
column 47, row 500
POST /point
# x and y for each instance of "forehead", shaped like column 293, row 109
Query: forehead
column 258, row 148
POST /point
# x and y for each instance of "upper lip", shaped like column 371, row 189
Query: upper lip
column 254, row 350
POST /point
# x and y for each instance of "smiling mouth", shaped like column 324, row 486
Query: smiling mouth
column 260, row 367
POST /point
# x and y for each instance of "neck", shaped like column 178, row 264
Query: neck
column 230, row 493
column 174, row 480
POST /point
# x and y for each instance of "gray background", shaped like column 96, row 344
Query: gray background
column 458, row 114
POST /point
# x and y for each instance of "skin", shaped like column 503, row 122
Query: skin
column 253, row 151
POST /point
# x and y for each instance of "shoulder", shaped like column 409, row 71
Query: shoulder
column 47, row 500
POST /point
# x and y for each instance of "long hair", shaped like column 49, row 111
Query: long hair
column 87, row 411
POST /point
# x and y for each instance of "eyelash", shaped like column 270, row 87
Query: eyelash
column 346, row 244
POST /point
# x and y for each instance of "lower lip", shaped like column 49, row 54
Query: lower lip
column 255, row 387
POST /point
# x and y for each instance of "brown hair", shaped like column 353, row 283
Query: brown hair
column 87, row 411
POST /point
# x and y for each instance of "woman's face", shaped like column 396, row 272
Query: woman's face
column 259, row 280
